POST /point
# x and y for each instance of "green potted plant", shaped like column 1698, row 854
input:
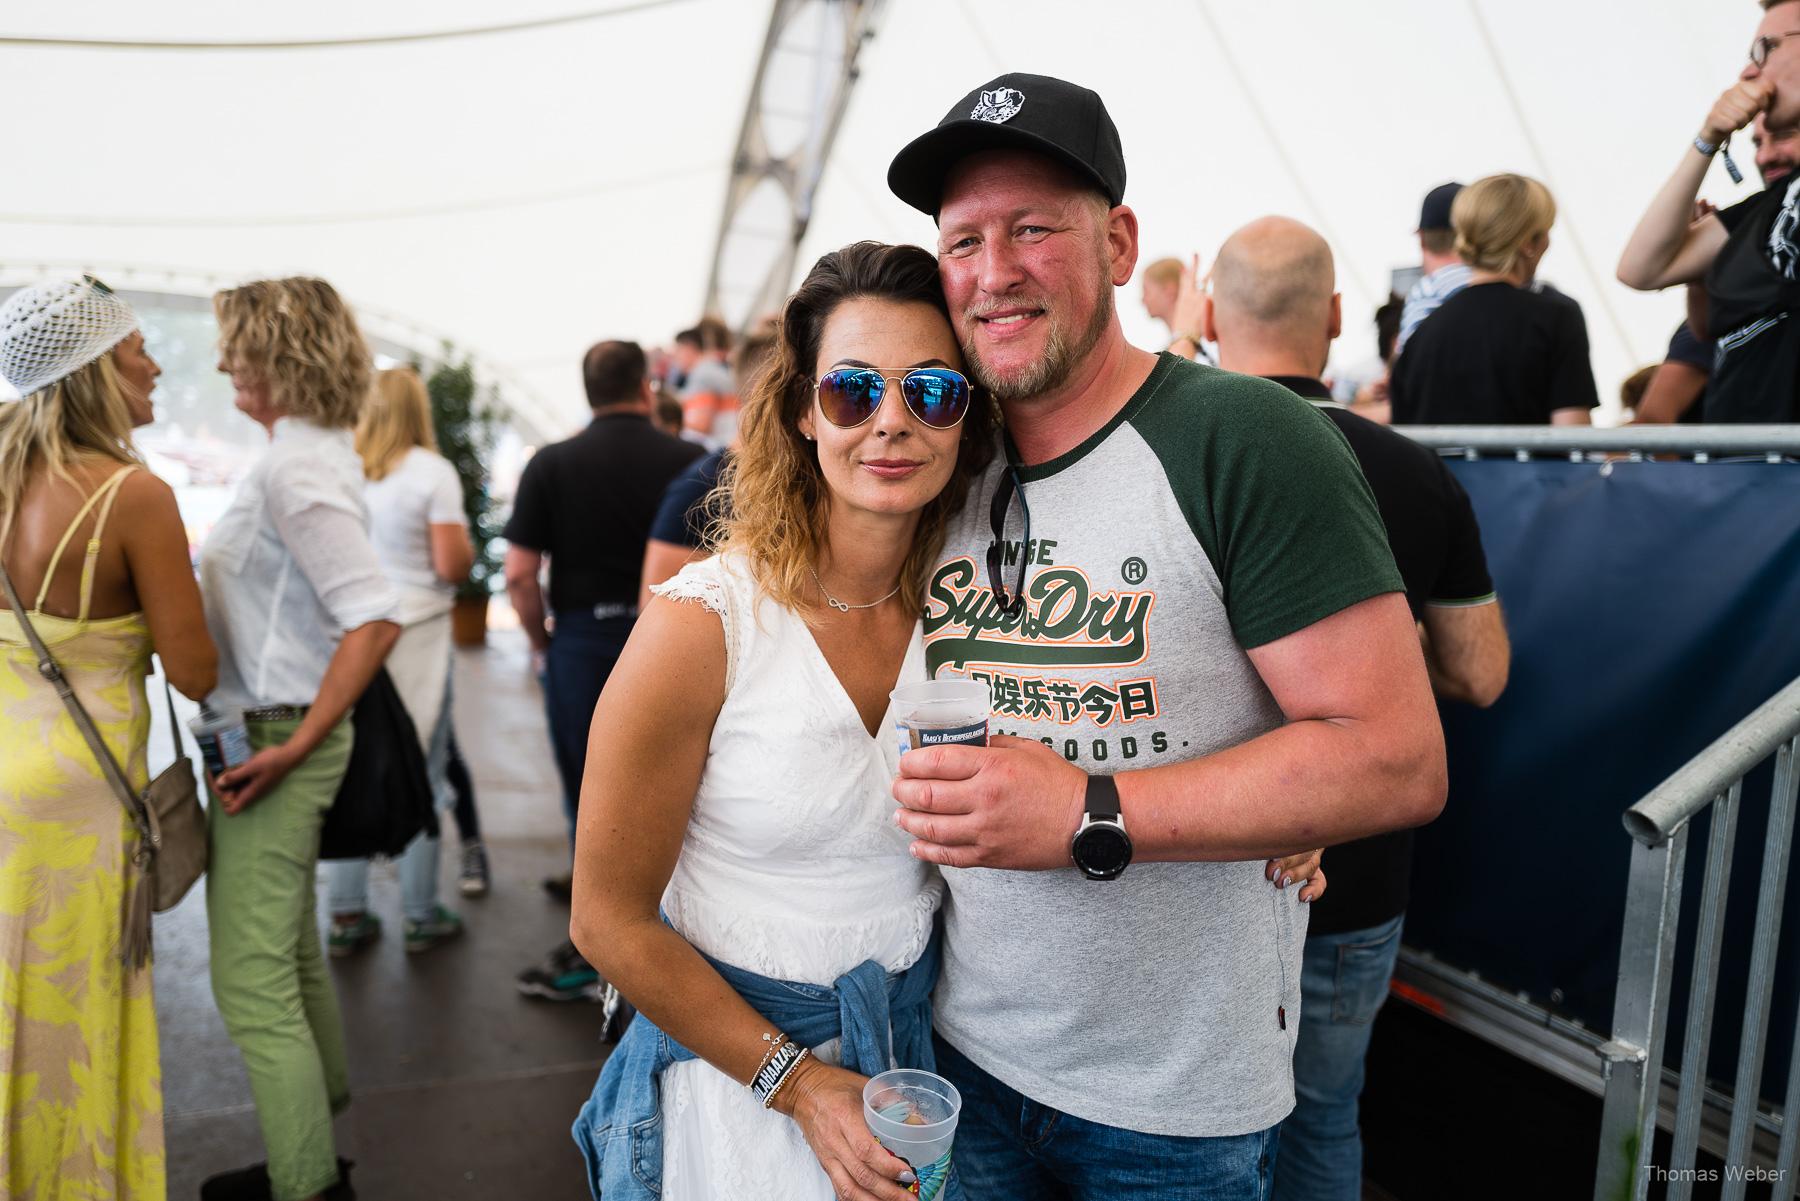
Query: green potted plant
column 464, row 422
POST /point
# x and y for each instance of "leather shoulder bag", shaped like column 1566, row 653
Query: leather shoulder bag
column 171, row 825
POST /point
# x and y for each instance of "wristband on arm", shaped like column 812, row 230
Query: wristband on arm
column 1708, row 149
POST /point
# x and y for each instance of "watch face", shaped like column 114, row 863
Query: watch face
column 1102, row 850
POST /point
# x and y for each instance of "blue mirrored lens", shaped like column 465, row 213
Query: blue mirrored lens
column 937, row 396
column 850, row 395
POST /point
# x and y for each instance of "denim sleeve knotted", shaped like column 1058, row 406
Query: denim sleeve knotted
column 883, row 1021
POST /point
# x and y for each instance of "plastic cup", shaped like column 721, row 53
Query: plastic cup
column 223, row 738
column 913, row 1114
column 935, row 712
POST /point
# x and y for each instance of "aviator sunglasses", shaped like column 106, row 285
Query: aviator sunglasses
column 937, row 396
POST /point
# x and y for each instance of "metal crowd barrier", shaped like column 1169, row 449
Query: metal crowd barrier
column 1638, row 1091
column 1579, row 441
column 1632, row 1061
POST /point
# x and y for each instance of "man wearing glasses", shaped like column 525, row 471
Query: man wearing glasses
column 1749, row 254
column 1177, row 587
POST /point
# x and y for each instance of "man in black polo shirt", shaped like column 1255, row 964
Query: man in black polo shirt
column 586, row 505
column 1274, row 313
column 1748, row 254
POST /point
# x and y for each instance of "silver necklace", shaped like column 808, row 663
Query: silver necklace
column 844, row 606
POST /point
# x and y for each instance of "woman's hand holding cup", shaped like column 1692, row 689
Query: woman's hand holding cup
column 827, row 1103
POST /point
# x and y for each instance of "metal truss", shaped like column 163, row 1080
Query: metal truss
column 797, row 101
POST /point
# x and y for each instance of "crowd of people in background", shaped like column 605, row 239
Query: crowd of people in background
column 721, row 577
column 334, row 562
column 1502, row 346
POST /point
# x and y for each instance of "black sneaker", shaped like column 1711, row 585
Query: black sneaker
column 561, row 887
column 252, row 1184
column 564, row 976
column 475, row 879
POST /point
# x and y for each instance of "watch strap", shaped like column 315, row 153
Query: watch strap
column 1103, row 798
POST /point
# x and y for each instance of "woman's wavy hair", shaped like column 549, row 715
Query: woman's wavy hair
column 86, row 414
column 395, row 418
column 299, row 337
column 773, row 493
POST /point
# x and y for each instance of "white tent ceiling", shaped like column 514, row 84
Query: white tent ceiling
column 523, row 194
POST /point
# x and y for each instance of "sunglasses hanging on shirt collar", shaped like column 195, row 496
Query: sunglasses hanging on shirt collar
column 1010, row 483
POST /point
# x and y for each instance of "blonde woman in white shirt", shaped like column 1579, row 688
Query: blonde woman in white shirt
column 303, row 618
column 421, row 537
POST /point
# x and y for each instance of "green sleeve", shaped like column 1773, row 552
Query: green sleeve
column 1274, row 495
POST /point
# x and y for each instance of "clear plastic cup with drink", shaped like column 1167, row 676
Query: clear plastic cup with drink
column 913, row 1114
column 936, row 712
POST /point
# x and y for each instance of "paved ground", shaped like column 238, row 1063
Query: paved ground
column 463, row 1089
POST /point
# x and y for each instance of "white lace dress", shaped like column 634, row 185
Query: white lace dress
column 792, row 868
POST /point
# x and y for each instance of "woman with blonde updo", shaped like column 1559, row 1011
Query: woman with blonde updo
column 1504, row 350
column 303, row 616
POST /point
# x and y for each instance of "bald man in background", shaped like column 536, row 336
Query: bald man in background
column 1274, row 310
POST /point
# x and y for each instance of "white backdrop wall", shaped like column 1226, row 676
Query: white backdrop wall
column 524, row 194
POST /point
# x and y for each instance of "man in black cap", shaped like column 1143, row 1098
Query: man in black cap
column 1176, row 585
column 1445, row 272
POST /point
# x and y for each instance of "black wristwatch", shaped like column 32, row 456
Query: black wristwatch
column 1101, row 848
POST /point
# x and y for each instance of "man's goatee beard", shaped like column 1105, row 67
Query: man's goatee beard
column 1049, row 372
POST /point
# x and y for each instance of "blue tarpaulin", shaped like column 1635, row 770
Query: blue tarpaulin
column 1651, row 607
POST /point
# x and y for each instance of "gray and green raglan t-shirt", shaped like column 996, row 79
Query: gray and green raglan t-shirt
column 1217, row 512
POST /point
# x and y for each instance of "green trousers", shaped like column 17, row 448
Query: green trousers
column 268, row 973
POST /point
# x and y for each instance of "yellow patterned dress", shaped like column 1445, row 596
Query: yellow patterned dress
column 80, row 1076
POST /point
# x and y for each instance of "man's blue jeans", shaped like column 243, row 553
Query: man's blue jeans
column 583, row 650
column 1010, row 1148
column 1342, row 985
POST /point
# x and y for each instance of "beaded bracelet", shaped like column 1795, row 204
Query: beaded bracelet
column 785, row 1077
column 775, row 1042
column 774, row 1071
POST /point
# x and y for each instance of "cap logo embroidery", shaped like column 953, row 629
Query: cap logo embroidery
column 998, row 105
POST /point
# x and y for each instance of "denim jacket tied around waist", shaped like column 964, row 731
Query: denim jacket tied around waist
column 884, row 1021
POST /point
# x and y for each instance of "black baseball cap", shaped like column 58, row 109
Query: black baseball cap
column 1052, row 116
column 1435, row 212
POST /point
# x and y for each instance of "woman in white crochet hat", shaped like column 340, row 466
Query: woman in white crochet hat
column 98, row 542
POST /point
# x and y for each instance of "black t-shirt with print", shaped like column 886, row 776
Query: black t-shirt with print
column 1752, row 292
column 1436, row 542
column 1494, row 354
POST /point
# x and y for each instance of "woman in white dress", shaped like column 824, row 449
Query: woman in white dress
column 738, row 771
